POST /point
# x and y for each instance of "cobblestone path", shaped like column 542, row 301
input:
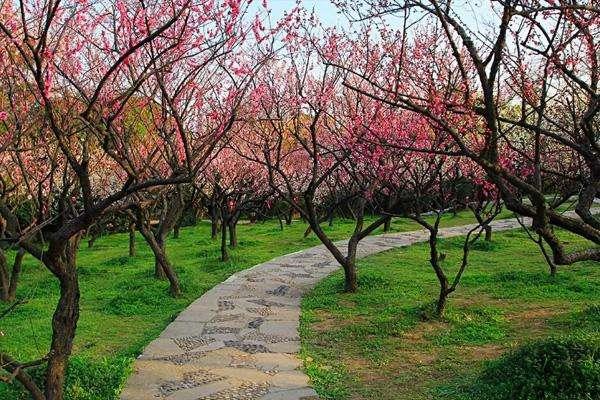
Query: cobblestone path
column 240, row 339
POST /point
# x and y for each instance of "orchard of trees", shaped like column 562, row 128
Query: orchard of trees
column 144, row 115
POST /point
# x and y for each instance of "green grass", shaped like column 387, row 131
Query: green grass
column 123, row 307
column 375, row 344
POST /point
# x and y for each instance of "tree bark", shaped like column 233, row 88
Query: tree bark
column 158, row 248
column 224, row 253
column 9, row 282
column 162, row 266
column 350, row 274
column 214, row 229
column 434, row 260
column 132, row 239
column 440, row 307
column 350, row 277
column 214, row 222
column 387, row 225
column 444, row 286
column 94, row 232
column 233, row 242
column 488, row 233
column 307, row 232
column 62, row 262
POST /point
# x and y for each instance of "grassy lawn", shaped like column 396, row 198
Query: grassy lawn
column 375, row 344
column 123, row 307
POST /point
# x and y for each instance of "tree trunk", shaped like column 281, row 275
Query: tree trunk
column 9, row 282
column 307, row 232
column 224, row 253
column 94, row 232
column 488, row 233
column 16, row 273
column 289, row 216
column 350, row 277
column 66, row 315
column 132, row 240
column 162, row 266
column 233, row 242
column 91, row 241
column 159, row 253
column 176, row 229
column 440, row 307
column 435, row 258
column 387, row 225
column 214, row 227
column 169, row 271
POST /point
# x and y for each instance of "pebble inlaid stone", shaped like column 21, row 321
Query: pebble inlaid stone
column 298, row 275
column 321, row 264
column 292, row 266
column 214, row 330
column 264, row 311
column 243, row 361
column 279, row 291
column 250, row 348
column 255, row 335
column 190, row 380
column 181, row 359
column 266, row 303
column 246, row 391
column 225, row 305
column 283, row 280
column 254, row 279
column 226, row 318
column 237, row 296
column 188, row 343
column 255, row 323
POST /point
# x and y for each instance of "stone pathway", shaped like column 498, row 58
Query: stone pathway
column 240, row 340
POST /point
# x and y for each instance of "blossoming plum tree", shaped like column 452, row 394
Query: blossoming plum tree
column 308, row 134
column 520, row 99
column 75, row 106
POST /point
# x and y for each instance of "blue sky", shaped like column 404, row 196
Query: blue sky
column 475, row 13
column 327, row 12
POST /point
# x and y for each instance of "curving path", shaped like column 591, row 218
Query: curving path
column 240, row 339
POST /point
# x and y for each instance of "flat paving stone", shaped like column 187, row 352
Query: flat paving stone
column 240, row 340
